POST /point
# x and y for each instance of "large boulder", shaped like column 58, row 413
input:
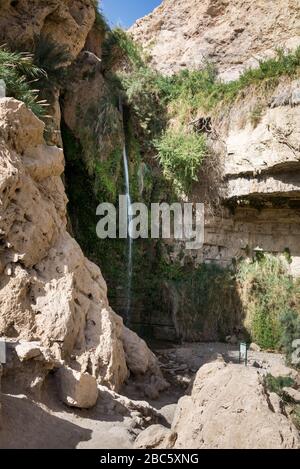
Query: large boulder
column 141, row 361
column 228, row 407
column 77, row 389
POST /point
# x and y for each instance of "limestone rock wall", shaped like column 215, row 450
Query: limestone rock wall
column 67, row 22
column 234, row 35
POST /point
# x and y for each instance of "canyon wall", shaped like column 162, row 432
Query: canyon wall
column 234, row 35
column 55, row 313
column 251, row 185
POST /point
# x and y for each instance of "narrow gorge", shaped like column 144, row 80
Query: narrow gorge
column 134, row 343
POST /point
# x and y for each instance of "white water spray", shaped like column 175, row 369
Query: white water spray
column 129, row 218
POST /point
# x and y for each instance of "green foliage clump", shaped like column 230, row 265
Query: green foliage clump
column 290, row 324
column 106, row 175
column 143, row 95
column 276, row 384
column 202, row 89
column 100, row 21
column 118, row 47
column 296, row 416
column 203, row 300
column 180, row 154
column 18, row 71
column 268, row 292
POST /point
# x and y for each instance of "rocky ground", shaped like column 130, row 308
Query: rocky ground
column 116, row 421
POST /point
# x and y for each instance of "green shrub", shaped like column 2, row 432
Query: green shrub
column 180, row 154
column 256, row 115
column 100, row 21
column 296, row 416
column 118, row 47
column 142, row 94
column 290, row 324
column 267, row 292
column 205, row 299
column 18, row 71
column 202, row 89
column 276, row 384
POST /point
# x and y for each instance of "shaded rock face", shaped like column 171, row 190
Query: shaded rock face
column 66, row 22
column 234, row 35
column 228, row 408
column 49, row 292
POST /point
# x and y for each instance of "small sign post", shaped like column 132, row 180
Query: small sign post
column 243, row 354
column 2, row 352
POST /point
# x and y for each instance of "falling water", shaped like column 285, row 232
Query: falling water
column 129, row 217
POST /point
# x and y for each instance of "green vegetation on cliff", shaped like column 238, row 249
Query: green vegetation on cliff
column 271, row 299
column 166, row 151
column 165, row 108
column 181, row 153
column 19, row 71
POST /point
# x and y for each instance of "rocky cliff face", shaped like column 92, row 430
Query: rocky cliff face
column 251, row 186
column 258, row 136
column 67, row 22
column 260, row 172
column 50, row 292
column 234, row 35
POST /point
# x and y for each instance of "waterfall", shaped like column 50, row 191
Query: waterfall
column 129, row 218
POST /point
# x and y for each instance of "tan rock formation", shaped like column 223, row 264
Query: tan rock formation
column 77, row 389
column 228, row 408
column 155, row 436
column 66, row 22
column 234, row 35
column 48, row 290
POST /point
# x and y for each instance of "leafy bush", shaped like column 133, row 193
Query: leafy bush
column 18, row 71
column 296, row 416
column 100, row 21
column 268, row 292
column 204, row 300
column 276, row 384
column 181, row 153
column 144, row 98
column 290, row 324
column 189, row 91
column 118, row 47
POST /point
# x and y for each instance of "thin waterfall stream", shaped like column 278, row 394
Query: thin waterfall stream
column 129, row 217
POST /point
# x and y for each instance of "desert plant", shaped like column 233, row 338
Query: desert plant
column 19, row 71
column 276, row 384
column 119, row 47
column 256, row 115
column 100, row 21
column 290, row 323
column 267, row 292
column 180, row 154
